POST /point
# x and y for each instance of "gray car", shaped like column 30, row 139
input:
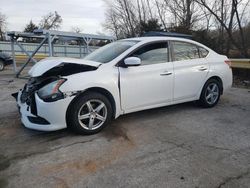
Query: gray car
column 5, row 59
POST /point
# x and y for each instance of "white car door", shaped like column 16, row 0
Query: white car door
column 150, row 84
column 190, row 70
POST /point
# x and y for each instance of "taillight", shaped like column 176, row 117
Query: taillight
column 228, row 62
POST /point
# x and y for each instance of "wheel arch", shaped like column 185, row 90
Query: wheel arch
column 219, row 80
column 216, row 78
column 102, row 91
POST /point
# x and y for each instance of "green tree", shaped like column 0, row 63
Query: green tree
column 30, row 27
column 150, row 25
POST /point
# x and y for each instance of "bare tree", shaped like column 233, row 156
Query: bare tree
column 51, row 21
column 161, row 10
column 129, row 18
column 149, row 10
column 3, row 23
column 76, row 29
column 121, row 18
column 221, row 24
column 185, row 13
column 239, row 21
column 206, row 18
column 227, row 22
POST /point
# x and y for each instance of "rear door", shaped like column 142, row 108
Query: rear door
column 190, row 70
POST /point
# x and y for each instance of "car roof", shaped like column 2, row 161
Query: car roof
column 162, row 38
column 166, row 34
column 158, row 38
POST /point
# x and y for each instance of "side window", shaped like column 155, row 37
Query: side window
column 153, row 53
column 185, row 51
column 203, row 52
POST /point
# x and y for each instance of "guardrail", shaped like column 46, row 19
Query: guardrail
column 21, row 58
column 240, row 63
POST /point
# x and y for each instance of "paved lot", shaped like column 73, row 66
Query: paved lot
column 176, row 146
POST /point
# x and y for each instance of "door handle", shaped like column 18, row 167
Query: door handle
column 166, row 73
column 202, row 68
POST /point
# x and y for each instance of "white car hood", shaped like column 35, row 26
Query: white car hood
column 48, row 63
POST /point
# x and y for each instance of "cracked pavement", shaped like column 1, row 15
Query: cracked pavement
column 176, row 146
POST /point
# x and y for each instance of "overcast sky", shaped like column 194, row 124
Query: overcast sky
column 85, row 14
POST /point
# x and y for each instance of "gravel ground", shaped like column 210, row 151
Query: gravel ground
column 176, row 146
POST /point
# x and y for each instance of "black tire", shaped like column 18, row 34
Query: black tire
column 79, row 105
column 206, row 101
column 1, row 65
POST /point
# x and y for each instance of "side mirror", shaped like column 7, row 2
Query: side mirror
column 132, row 61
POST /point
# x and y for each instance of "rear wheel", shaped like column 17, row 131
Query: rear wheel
column 1, row 65
column 89, row 113
column 210, row 94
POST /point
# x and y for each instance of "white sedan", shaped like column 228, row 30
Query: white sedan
column 122, row 77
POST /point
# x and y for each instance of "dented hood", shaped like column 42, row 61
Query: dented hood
column 48, row 63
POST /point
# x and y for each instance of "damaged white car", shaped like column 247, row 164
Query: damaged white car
column 122, row 77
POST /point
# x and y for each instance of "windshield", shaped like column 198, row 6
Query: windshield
column 109, row 52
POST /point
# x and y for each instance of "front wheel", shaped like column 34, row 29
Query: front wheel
column 89, row 113
column 210, row 94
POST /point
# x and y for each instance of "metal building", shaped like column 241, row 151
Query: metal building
column 49, row 37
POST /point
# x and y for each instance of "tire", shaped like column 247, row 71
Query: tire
column 1, row 65
column 89, row 113
column 210, row 94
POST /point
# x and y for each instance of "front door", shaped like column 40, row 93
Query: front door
column 150, row 84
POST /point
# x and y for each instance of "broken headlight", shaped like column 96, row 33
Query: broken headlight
column 51, row 92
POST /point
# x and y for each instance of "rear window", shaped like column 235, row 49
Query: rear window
column 203, row 52
column 185, row 51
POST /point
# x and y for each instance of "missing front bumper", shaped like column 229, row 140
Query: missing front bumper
column 51, row 116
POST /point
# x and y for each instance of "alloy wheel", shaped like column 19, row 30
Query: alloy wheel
column 212, row 93
column 92, row 114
